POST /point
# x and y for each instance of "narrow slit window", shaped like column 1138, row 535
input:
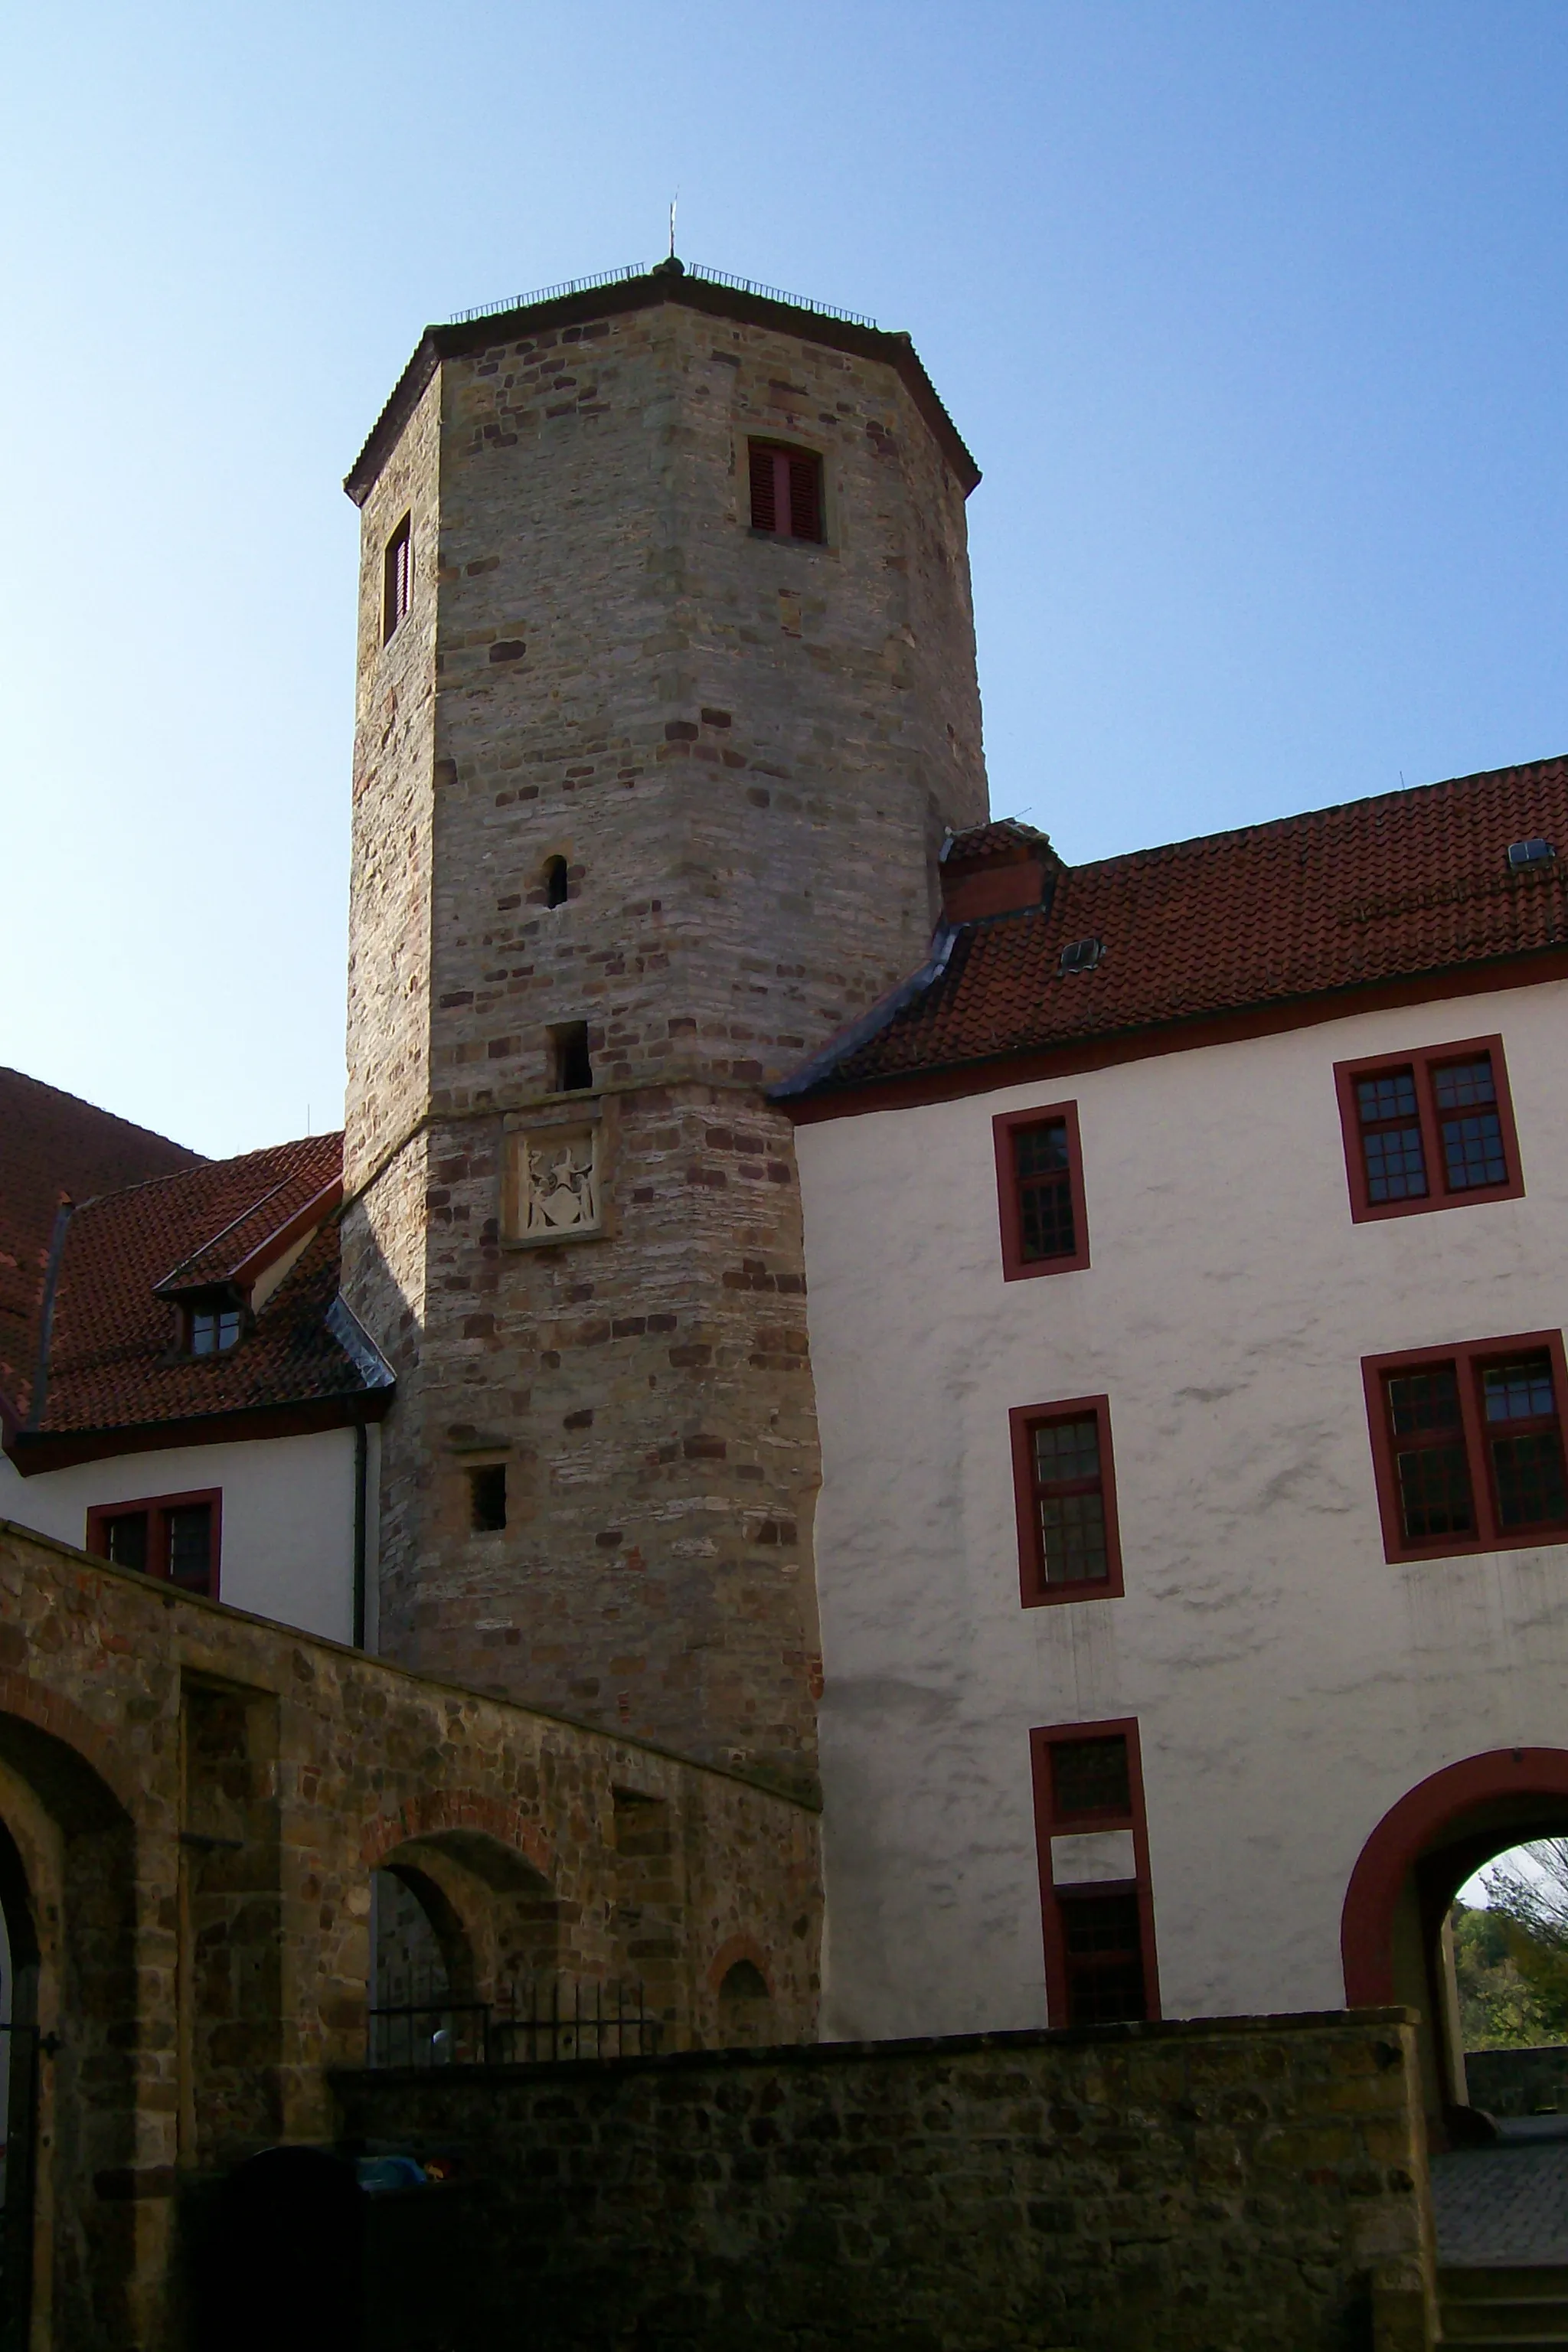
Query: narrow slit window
column 787, row 491
column 573, row 1070
column 397, row 577
column 557, row 882
column 487, row 1499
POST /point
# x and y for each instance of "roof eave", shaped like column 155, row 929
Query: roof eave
column 894, row 350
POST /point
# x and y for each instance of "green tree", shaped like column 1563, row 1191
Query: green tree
column 1529, row 1890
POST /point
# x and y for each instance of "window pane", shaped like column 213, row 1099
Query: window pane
column 1067, row 1449
column 1105, row 1959
column 1521, row 1390
column 127, row 1539
column 1460, row 1084
column 1089, row 1776
column 1045, row 1219
column 1041, row 1150
column 1072, row 1537
column 1395, row 1164
column 1473, row 1152
column 1423, row 1399
column 204, row 1334
column 1390, row 1094
column 228, row 1329
column 1530, row 1487
column 190, row 1546
column 1435, row 1492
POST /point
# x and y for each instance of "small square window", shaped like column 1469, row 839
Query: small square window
column 786, row 490
column 397, row 577
column 487, row 1499
column 1430, row 1131
column 1467, row 1446
column 1096, row 1901
column 1040, row 1192
column 1066, row 1502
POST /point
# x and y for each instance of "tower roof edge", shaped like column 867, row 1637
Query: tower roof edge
column 897, row 351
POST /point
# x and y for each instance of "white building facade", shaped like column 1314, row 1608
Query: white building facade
column 1152, row 1591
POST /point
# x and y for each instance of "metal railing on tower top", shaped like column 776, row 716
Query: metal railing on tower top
column 699, row 270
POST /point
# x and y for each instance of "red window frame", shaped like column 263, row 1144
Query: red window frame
column 786, row 487
column 1015, row 1267
column 157, row 1509
column 1054, row 1901
column 1470, row 1360
column 1034, row 1589
column 1423, row 1064
column 398, row 578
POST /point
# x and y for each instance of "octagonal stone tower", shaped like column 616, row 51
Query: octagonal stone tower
column 647, row 797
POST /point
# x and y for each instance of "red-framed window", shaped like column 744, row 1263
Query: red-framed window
column 786, row 490
column 397, row 577
column 1064, row 1487
column 1467, row 1446
column 176, row 1536
column 1039, row 1191
column 1096, row 1901
column 1428, row 1131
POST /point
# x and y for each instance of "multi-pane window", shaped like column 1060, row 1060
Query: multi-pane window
column 786, row 490
column 1429, row 1131
column 1039, row 1180
column 1469, row 1446
column 214, row 1330
column 397, row 577
column 170, row 1536
column 1096, row 1904
column 1066, row 1501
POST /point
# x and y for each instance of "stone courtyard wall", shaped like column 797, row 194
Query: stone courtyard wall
column 1519, row 2082
column 1251, row 2184
column 193, row 1803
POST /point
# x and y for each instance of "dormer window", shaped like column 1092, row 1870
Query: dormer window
column 214, row 1329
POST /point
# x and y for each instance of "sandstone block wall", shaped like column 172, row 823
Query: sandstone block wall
column 746, row 751
column 1256, row 2185
column 191, row 1804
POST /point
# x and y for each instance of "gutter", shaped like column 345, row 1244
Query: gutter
column 870, row 1024
column 46, row 1315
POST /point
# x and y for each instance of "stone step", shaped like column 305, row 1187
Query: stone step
column 1504, row 2310
column 1509, row 2308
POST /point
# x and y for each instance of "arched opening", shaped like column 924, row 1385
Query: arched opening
column 557, row 882
column 1396, row 1939
column 745, row 2006
column 1507, row 1946
column 464, row 1938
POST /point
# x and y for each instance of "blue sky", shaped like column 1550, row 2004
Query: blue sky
column 1254, row 316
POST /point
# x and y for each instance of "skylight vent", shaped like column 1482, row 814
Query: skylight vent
column 1530, row 853
column 1081, row 955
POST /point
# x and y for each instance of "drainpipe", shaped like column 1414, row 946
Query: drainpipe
column 47, row 1310
column 361, row 1499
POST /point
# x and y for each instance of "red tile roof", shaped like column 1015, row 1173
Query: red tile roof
column 1410, row 884
column 52, row 1143
column 112, row 1364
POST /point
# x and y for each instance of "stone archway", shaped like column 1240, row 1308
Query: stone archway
column 1404, row 1881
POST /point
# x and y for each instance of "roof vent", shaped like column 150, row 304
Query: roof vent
column 1529, row 852
column 1081, row 955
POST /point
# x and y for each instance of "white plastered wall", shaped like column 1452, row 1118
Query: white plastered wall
column 1289, row 1684
column 287, row 1528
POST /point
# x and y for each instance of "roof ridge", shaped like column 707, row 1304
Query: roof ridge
column 64, row 1094
column 206, row 1167
column 1400, row 796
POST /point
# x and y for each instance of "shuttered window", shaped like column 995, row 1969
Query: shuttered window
column 787, row 491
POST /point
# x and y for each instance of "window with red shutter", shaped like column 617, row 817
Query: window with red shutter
column 787, row 491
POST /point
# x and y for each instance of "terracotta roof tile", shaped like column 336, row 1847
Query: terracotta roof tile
column 110, row 1363
column 1410, row 883
column 52, row 1143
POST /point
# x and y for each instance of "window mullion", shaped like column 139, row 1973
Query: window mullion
column 1437, row 1187
column 1477, row 1452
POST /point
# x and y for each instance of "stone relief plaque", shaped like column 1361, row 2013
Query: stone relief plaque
column 557, row 1179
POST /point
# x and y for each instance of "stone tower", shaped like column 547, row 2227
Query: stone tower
column 646, row 804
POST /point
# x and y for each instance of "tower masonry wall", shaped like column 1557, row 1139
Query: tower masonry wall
column 746, row 750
